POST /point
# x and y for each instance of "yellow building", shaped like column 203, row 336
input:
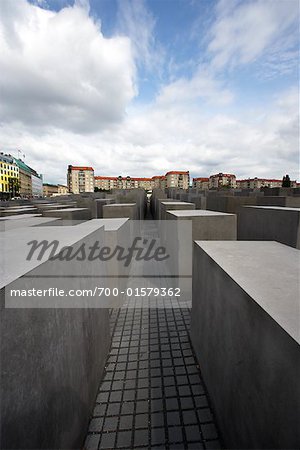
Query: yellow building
column 9, row 176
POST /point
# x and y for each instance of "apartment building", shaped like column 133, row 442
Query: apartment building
column 257, row 183
column 105, row 183
column 159, row 182
column 178, row 179
column 80, row 179
column 201, row 183
column 62, row 189
column 9, row 176
column 50, row 189
column 221, row 180
column 108, row 183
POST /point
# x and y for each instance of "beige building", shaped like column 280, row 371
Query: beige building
column 62, row 189
column 159, row 181
column 50, row 189
column 257, row 183
column 108, row 183
column 221, row 180
column 178, row 179
column 80, row 179
column 201, row 183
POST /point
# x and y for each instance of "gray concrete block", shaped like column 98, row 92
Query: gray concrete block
column 228, row 204
column 69, row 214
column 53, row 357
column 288, row 201
column 245, row 332
column 270, row 223
column 10, row 224
column 119, row 210
column 170, row 206
column 21, row 210
column 208, row 225
column 99, row 203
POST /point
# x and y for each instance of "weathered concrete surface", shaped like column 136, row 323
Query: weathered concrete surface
column 208, row 225
column 158, row 206
column 118, row 210
column 137, row 196
column 69, row 214
column 288, row 201
column 13, row 211
column 228, row 204
column 245, row 331
column 99, row 203
column 170, row 206
column 270, row 223
column 199, row 200
column 10, row 224
column 51, row 359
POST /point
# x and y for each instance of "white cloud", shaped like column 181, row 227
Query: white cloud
column 58, row 84
column 156, row 139
column 243, row 31
column 137, row 22
column 201, row 86
column 57, row 69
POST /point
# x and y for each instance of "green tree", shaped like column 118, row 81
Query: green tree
column 286, row 182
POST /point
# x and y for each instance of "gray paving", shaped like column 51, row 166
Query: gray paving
column 152, row 394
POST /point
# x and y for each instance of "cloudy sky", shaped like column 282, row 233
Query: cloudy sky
column 140, row 87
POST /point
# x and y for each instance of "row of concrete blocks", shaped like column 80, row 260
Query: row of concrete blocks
column 131, row 204
column 53, row 349
column 281, row 224
column 245, row 318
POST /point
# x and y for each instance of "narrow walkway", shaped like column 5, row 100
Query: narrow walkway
column 152, row 395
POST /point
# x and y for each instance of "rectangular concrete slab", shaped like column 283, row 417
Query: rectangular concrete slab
column 270, row 223
column 118, row 210
column 71, row 214
column 208, row 225
column 245, row 331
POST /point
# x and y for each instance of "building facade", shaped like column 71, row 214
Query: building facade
column 9, row 176
column 257, row 183
column 222, row 180
column 105, row 183
column 108, row 183
column 201, row 183
column 30, row 182
column 80, row 179
column 50, row 189
column 62, row 189
column 178, row 179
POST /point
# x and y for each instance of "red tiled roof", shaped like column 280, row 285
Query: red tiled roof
column 200, row 179
column 222, row 175
column 177, row 172
column 105, row 178
column 81, row 168
column 158, row 176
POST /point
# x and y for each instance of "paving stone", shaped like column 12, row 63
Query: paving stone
column 96, row 425
column 193, row 433
column 209, row 431
column 158, row 436
column 108, row 441
column 124, row 439
column 92, row 442
column 126, row 422
column 152, row 395
column 141, row 437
